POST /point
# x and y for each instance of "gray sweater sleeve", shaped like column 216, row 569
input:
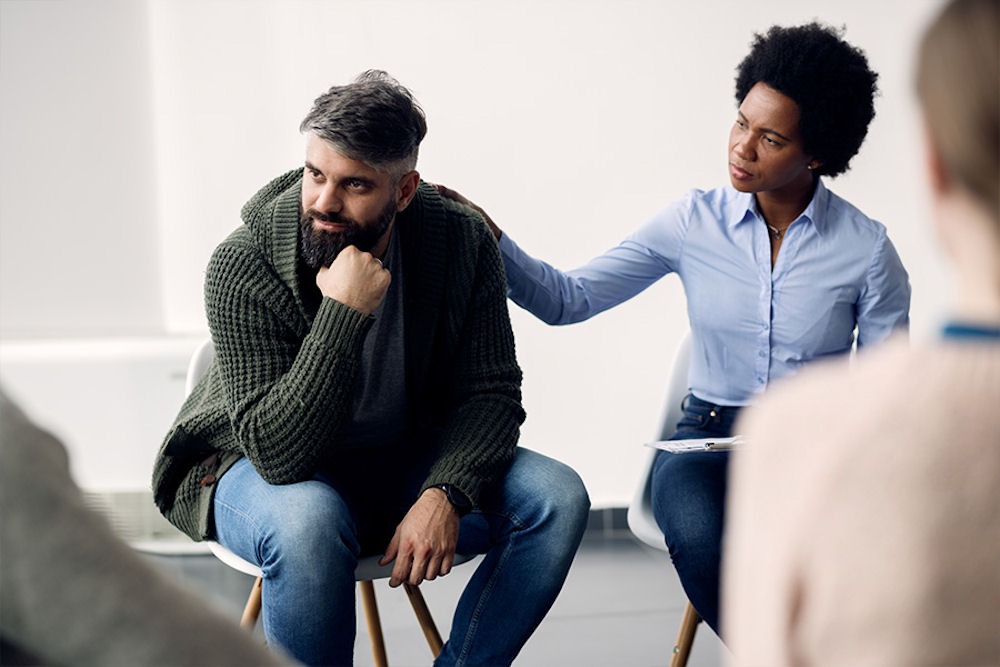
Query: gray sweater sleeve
column 73, row 592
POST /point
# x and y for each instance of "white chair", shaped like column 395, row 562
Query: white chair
column 640, row 512
column 366, row 572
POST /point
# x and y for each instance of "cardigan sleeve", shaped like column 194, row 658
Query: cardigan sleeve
column 286, row 384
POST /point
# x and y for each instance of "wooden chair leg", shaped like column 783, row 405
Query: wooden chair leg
column 685, row 637
column 252, row 609
column 252, row 612
column 374, row 623
column 424, row 618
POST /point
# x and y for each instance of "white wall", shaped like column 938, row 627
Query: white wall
column 571, row 121
column 78, row 213
column 109, row 400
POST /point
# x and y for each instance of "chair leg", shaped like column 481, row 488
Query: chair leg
column 252, row 609
column 424, row 618
column 374, row 623
column 685, row 636
column 251, row 612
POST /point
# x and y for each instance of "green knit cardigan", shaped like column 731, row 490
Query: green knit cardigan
column 280, row 387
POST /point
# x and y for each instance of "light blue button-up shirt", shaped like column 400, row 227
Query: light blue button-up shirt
column 836, row 271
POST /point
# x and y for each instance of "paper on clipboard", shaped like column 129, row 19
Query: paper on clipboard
column 697, row 444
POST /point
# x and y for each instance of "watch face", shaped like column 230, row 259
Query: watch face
column 458, row 499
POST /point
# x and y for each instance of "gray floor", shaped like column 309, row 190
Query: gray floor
column 621, row 605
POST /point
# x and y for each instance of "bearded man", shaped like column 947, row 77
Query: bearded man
column 365, row 398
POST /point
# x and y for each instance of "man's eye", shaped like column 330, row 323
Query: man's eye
column 771, row 142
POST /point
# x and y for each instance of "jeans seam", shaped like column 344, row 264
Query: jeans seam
column 488, row 589
column 256, row 538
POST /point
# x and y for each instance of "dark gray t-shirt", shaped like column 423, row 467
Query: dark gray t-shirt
column 378, row 416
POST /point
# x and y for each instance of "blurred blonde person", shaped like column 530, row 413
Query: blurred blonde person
column 864, row 526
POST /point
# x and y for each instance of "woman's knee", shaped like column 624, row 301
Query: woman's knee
column 688, row 499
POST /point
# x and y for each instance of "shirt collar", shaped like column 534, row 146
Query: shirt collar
column 745, row 207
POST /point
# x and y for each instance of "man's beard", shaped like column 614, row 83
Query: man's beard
column 320, row 247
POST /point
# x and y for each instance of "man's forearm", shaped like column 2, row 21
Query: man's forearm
column 286, row 399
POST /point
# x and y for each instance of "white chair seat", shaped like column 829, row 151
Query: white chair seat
column 368, row 568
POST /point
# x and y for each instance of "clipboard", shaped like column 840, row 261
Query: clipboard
column 698, row 444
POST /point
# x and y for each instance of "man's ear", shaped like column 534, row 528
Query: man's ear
column 406, row 189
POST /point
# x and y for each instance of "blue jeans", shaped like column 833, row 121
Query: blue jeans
column 307, row 538
column 689, row 500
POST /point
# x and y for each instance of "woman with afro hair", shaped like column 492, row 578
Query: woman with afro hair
column 778, row 271
column 890, row 554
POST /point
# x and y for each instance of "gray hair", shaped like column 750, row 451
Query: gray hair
column 374, row 120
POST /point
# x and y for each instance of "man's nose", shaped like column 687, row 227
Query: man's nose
column 328, row 200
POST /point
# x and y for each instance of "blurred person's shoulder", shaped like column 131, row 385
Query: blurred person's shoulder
column 26, row 449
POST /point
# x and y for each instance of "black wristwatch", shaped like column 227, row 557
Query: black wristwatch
column 458, row 500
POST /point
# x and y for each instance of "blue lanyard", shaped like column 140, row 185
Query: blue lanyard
column 970, row 331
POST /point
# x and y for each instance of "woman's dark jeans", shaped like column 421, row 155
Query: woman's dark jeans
column 689, row 500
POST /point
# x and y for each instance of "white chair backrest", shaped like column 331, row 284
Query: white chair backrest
column 200, row 361
column 677, row 389
column 640, row 511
